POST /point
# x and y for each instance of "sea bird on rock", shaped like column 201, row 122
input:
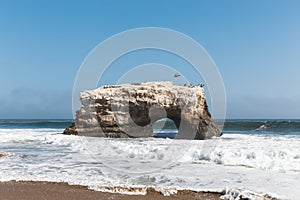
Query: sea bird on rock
column 177, row 75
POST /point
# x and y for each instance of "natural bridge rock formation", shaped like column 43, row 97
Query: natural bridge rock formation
column 129, row 110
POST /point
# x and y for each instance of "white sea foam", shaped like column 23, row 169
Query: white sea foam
column 239, row 165
column 269, row 153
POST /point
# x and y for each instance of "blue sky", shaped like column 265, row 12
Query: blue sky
column 255, row 44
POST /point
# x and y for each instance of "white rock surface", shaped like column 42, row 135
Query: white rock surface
column 129, row 110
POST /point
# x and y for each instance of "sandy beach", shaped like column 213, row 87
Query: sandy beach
column 13, row 190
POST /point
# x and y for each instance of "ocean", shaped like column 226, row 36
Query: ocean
column 253, row 159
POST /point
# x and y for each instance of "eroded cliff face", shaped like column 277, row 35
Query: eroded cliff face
column 129, row 110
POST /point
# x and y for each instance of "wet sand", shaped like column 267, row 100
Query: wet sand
column 24, row 190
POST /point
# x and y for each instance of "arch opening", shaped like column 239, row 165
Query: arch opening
column 165, row 128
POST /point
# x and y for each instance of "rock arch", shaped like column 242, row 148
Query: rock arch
column 129, row 110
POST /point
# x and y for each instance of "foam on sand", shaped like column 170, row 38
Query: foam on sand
column 252, row 166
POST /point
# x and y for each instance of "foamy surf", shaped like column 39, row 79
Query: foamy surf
column 227, row 193
column 238, row 166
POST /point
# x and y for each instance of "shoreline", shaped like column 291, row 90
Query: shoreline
column 14, row 190
column 28, row 190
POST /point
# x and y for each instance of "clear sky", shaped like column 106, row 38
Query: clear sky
column 255, row 44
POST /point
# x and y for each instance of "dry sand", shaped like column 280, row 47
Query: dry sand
column 61, row 191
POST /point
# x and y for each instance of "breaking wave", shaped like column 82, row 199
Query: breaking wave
column 275, row 126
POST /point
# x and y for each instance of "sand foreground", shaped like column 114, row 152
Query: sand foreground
column 24, row 190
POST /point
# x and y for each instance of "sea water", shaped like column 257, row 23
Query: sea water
column 253, row 159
